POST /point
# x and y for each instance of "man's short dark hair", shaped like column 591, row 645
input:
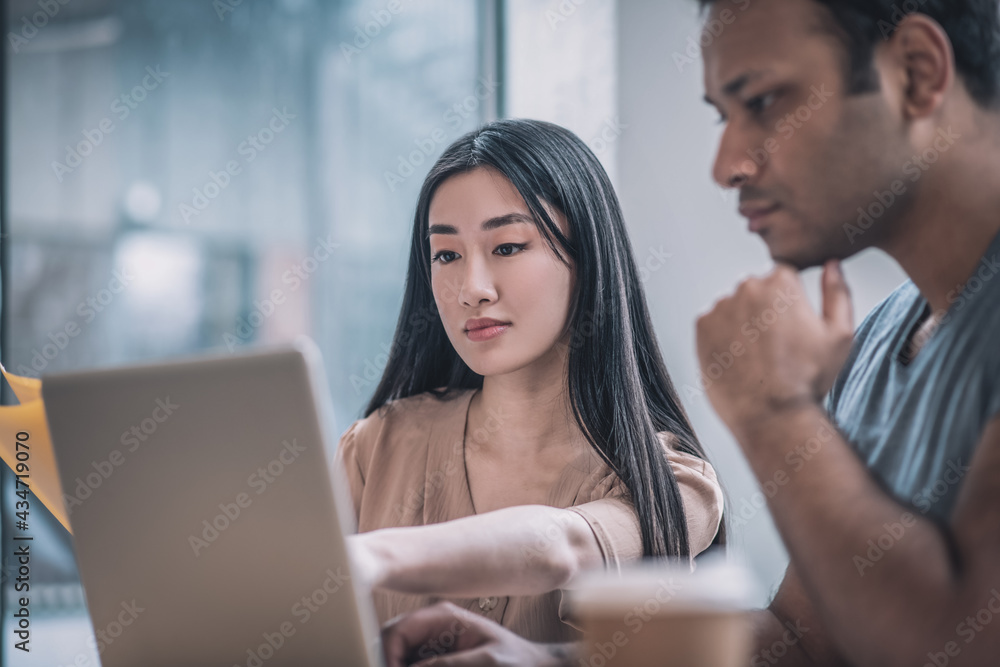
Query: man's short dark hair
column 973, row 26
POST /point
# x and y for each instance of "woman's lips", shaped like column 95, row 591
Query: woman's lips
column 486, row 333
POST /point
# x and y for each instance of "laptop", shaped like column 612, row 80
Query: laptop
column 207, row 526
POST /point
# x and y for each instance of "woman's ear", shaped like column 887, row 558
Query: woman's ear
column 919, row 64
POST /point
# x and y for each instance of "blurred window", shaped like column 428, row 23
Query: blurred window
column 200, row 174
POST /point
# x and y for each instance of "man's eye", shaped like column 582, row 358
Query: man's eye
column 760, row 103
column 444, row 257
column 508, row 249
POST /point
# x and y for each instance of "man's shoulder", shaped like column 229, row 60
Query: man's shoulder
column 874, row 336
column 977, row 303
column 888, row 315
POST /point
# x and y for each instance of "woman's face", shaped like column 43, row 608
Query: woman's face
column 502, row 293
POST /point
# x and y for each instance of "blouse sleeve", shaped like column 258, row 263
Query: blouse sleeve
column 616, row 525
column 349, row 465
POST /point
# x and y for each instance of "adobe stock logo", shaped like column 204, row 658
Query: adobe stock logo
column 363, row 36
column 121, row 108
column 790, row 124
column 223, row 7
column 87, row 311
column 131, row 440
column 249, row 149
column 915, row 168
column 562, row 13
column 432, row 143
column 711, row 31
column 899, row 13
column 30, row 27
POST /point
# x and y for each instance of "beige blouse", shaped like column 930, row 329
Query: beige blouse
column 406, row 467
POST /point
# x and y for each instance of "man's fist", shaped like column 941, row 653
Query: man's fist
column 778, row 351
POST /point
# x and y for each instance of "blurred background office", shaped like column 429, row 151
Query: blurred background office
column 212, row 174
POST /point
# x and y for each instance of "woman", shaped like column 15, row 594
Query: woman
column 525, row 428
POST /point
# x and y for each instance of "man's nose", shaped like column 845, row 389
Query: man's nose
column 733, row 166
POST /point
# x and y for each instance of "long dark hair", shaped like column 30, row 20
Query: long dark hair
column 619, row 388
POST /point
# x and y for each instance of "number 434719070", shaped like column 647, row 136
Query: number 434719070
column 22, row 470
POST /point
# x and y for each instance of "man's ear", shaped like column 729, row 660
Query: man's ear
column 918, row 63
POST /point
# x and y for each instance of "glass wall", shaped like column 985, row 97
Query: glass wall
column 200, row 174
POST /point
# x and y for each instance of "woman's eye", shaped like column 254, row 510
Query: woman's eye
column 445, row 257
column 508, row 249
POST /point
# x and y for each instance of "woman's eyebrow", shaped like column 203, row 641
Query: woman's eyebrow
column 504, row 220
column 488, row 225
column 441, row 229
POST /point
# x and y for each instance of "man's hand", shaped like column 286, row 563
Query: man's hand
column 447, row 636
column 764, row 349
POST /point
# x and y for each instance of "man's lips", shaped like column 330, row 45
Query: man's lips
column 756, row 213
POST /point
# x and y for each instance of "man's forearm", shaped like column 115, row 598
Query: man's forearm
column 773, row 639
column 829, row 510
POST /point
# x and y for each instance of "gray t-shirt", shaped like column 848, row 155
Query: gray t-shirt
column 916, row 424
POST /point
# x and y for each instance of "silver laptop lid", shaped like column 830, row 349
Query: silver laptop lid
column 205, row 525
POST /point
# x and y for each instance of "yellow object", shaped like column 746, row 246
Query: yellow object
column 29, row 417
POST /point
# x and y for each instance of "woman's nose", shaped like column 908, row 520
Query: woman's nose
column 478, row 285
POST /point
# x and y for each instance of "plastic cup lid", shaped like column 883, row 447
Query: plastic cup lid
column 658, row 587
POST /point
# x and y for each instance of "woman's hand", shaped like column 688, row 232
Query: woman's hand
column 447, row 636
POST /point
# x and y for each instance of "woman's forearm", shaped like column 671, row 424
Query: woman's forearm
column 526, row 550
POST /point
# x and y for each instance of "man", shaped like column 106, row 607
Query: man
column 891, row 513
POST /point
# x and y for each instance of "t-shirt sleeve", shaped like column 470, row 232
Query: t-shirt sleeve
column 993, row 406
column 615, row 524
column 348, row 464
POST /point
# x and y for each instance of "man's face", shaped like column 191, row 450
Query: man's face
column 804, row 154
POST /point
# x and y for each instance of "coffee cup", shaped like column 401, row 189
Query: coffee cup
column 665, row 615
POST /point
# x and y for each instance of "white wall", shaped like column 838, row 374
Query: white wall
column 664, row 159
column 561, row 67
